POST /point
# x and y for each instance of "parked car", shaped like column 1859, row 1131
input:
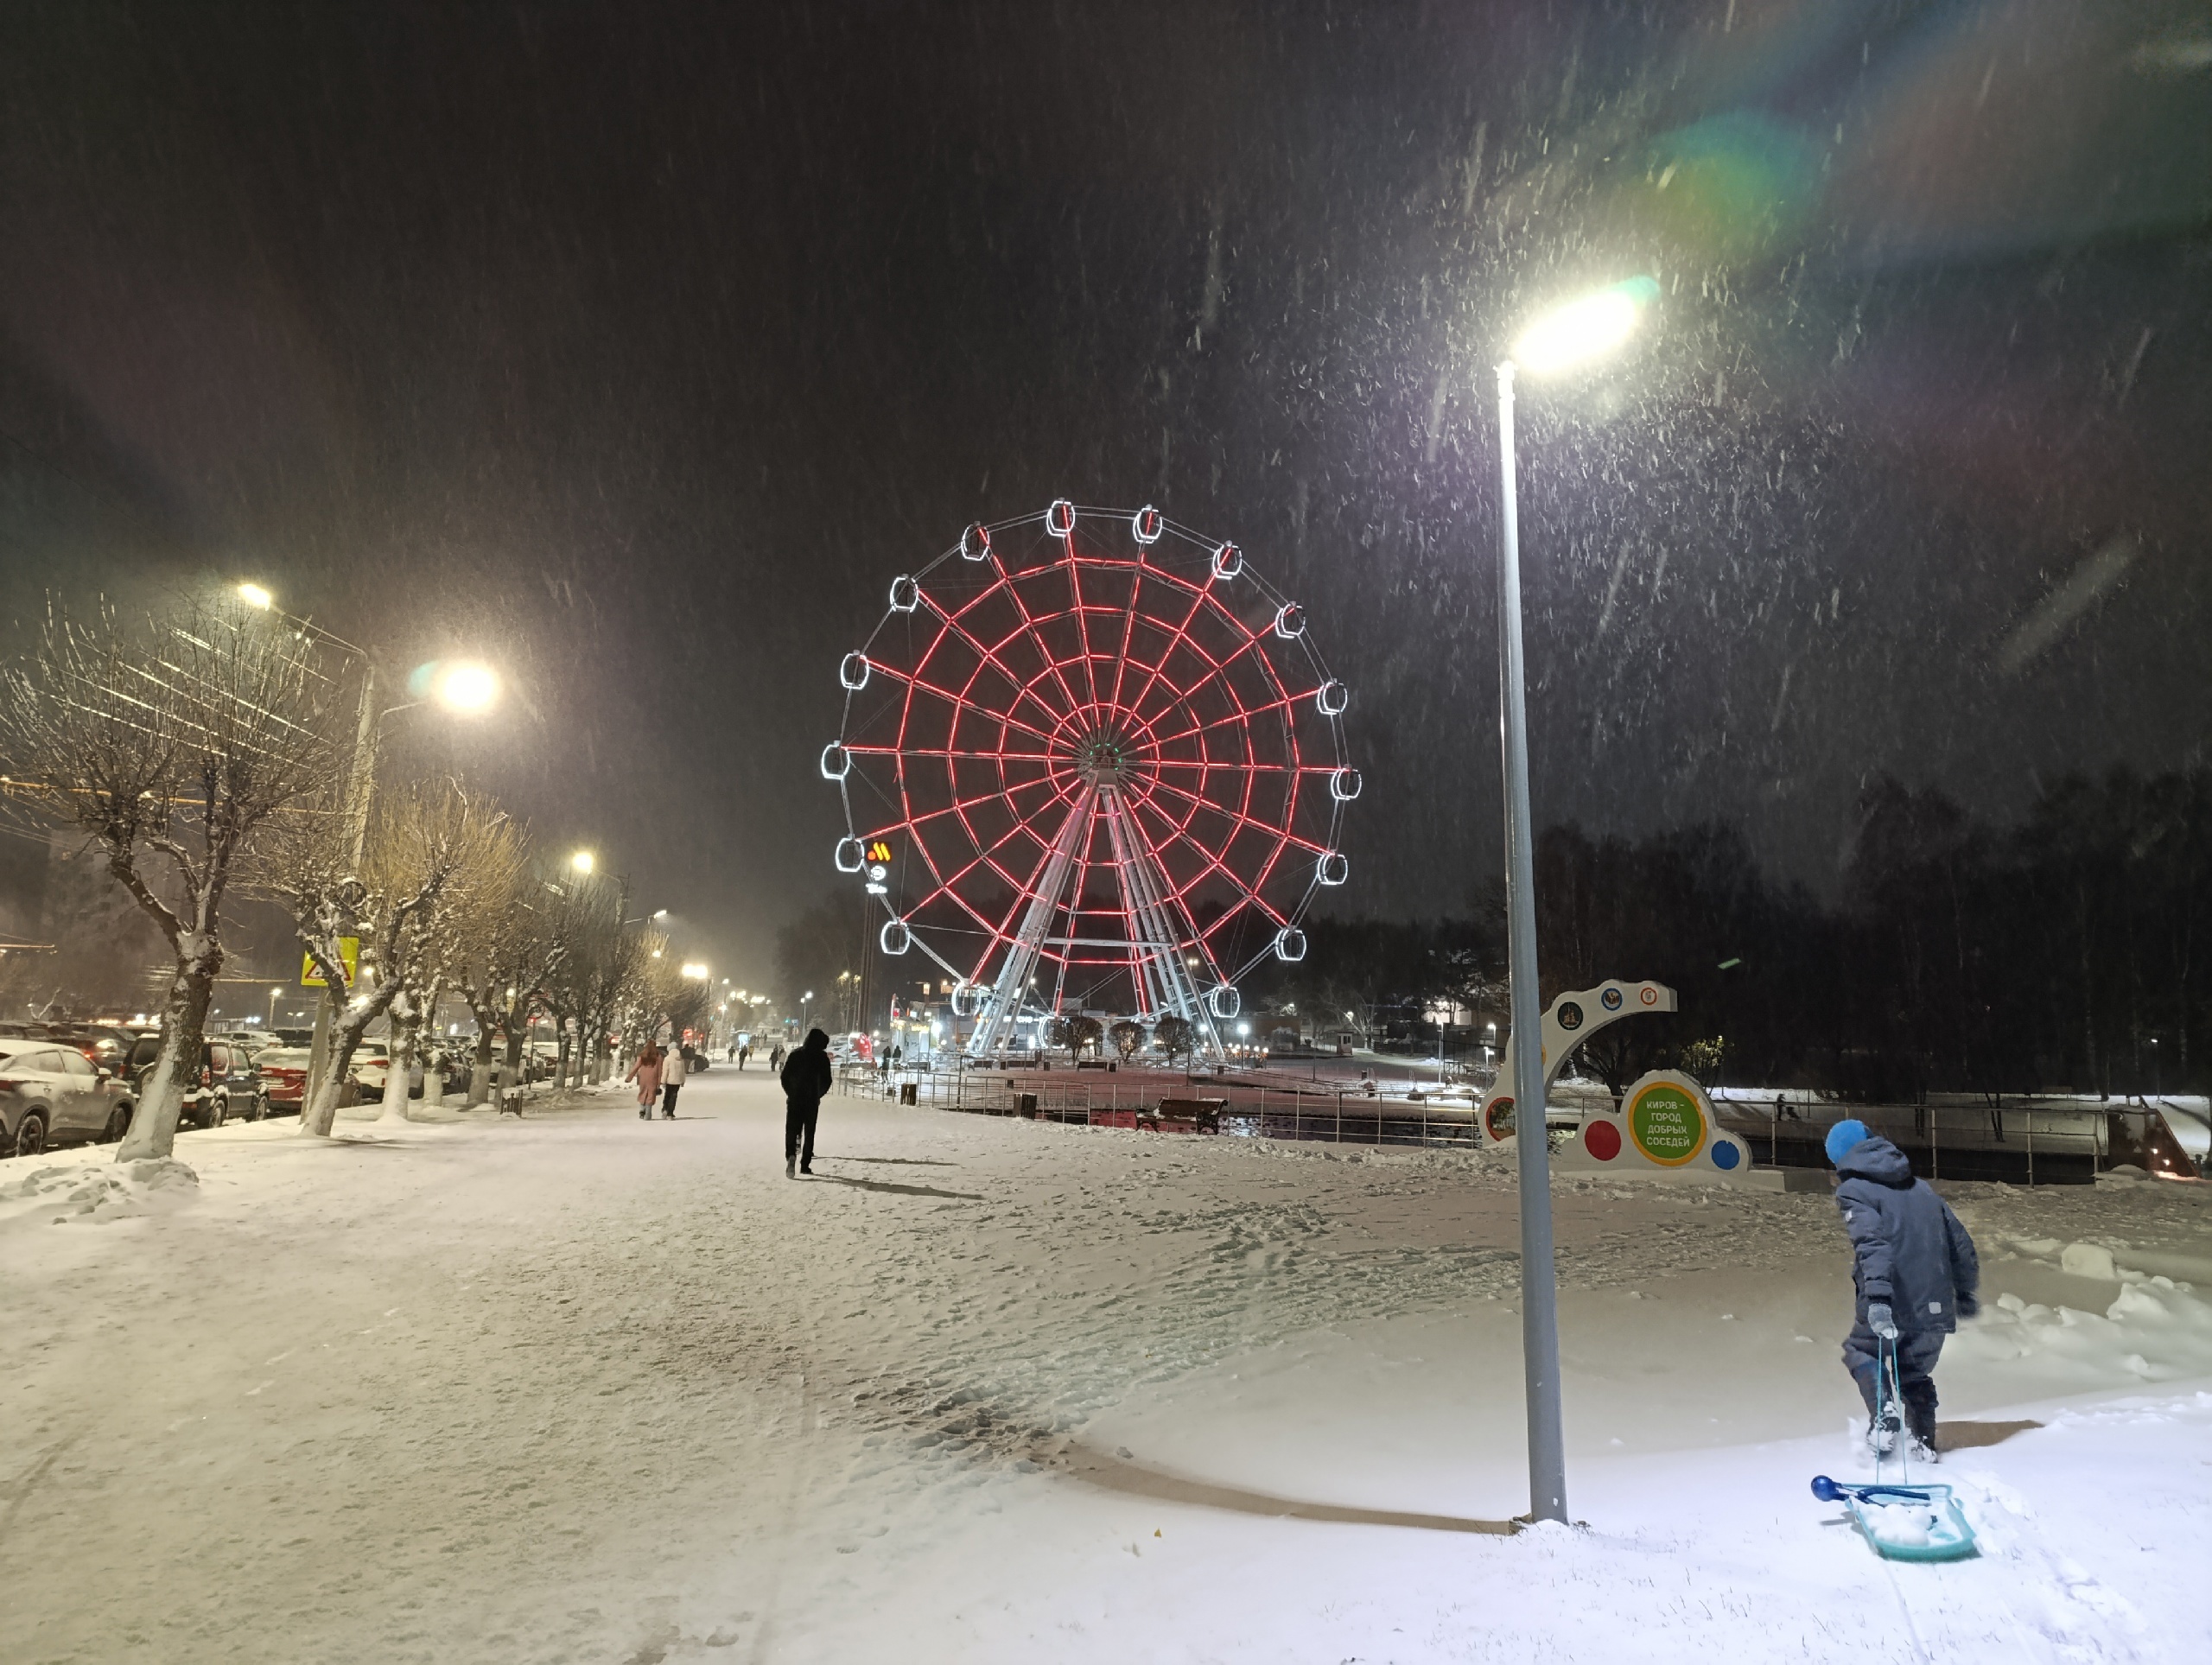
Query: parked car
column 52, row 1094
column 105, row 1044
column 281, row 1079
column 224, row 1077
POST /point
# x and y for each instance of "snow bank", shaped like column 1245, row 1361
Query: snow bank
column 78, row 1194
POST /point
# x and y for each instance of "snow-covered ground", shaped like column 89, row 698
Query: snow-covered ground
column 579, row 1388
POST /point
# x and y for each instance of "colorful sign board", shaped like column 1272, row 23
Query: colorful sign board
column 349, row 952
column 1574, row 1017
column 1665, row 1126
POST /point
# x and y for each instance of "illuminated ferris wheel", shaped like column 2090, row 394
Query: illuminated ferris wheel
column 1091, row 761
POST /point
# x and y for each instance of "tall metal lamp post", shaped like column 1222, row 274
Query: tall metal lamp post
column 1576, row 333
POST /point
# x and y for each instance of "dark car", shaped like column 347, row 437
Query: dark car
column 225, row 1079
column 106, row 1045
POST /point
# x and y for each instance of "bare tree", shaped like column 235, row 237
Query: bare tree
column 1173, row 1036
column 512, row 953
column 170, row 744
column 428, row 846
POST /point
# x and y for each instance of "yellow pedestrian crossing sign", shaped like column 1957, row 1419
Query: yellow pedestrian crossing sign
column 349, row 952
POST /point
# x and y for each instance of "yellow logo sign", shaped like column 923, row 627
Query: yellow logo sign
column 879, row 851
column 349, row 950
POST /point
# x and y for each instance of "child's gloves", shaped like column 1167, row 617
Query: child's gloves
column 1967, row 1303
column 1882, row 1321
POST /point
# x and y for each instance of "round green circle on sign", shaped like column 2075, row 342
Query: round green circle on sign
column 1667, row 1124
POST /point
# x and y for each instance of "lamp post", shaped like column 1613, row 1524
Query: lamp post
column 274, row 993
column 464, row 688
column 1574, row 334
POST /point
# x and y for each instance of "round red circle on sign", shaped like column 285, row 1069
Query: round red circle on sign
column 1602, row 1139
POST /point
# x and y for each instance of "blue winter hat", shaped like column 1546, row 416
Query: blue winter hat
column 1846, row 1137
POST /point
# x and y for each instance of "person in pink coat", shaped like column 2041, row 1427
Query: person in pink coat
column 646, row 1073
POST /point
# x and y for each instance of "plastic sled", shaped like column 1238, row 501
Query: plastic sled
column 1903, row 1522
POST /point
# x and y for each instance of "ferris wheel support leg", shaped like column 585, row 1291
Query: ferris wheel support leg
column 1144, row 898
column 1022, row 954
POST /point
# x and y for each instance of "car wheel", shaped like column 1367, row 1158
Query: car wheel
column 212, row 1110
column 257, row 1107
column 30, row 1134
column 118, row 1124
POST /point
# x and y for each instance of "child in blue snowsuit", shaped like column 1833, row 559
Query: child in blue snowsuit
column 1916, row 1272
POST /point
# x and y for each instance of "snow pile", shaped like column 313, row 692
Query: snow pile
column 1904, row 1526
column 96, row 1195
column 2156, row 1329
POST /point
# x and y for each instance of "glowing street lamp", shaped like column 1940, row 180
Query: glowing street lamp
column 692, row 968
column 255, row 596
column 1573, row 334
column 467, row 688
column 582, row 863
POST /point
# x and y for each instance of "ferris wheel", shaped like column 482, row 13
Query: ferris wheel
column 1091, row 761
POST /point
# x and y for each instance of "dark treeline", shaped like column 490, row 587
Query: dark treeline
column 2061, row 953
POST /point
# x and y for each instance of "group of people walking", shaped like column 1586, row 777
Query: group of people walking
column 660, row 1077
column 805, row 1075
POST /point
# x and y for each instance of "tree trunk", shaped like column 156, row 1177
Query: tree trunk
column 153, row 1122
column 480, row 1064
column 399, row 1060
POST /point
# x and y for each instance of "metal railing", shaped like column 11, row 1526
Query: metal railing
column 2020, row 1142
column 2026, row 1141
column 1236, row 1109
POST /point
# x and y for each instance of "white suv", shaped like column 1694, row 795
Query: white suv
column 50, row 1093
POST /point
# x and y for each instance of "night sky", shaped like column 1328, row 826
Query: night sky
column 637, row 347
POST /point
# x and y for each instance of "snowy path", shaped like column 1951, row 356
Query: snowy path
column 580, row 1389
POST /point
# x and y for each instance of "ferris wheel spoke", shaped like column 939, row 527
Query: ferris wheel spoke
column 946, row 751
column 984, row 857
column 1042, row 644
column 1244, row 713
column 1180, row 634
column 1184, row 695
column 960, row 701
column 1244, row 822
column 1082, row 624
column 989, row 655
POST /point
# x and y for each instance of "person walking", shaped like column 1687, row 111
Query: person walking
column 672, row 1072
column 1917, row 1273
column 806, row 1077
column 733, row 1049
column 776, row 1060
column 743, row 1053
column 646, row 1073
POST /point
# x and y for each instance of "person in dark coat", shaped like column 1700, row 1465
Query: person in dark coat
column 1916, row 1274
column 806, row 1077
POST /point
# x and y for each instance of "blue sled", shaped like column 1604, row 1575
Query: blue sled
column 1948, row 1536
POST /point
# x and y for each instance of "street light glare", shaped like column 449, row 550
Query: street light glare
column 582, row 862
column 1583, row 329
column 255, row 596
column 693, row 969
column 468, row 689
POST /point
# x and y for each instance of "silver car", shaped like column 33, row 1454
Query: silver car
column 52, row 1094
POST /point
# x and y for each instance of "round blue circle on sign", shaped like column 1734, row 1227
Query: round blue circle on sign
column 1724, row 1154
